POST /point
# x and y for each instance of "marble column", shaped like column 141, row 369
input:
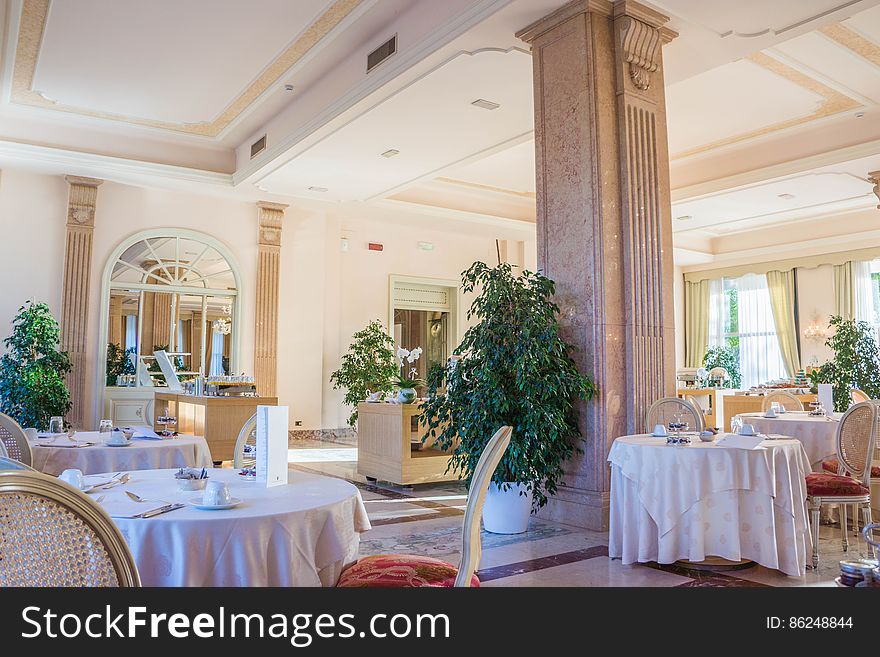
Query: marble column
column 268, row 274
column 874, row 177
column 603, row 222
column 81, row 200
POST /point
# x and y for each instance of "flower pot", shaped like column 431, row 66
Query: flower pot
column 506, row 511
column 406, row 395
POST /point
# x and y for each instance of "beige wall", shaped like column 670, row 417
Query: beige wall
column 815, row 289
column 678, row 302
column 325, row 295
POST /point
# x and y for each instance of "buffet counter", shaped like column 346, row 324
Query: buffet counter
column 218, row 419
column 737, row 404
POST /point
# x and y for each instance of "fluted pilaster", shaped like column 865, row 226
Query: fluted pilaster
column 266, row 311
column 81, row 202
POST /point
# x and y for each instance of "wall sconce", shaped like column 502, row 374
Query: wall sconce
column 816, row 331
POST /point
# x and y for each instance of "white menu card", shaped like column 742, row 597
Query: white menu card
column 272, row 445
column 826, row 397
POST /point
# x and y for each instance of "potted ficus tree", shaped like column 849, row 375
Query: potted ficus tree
column 368, row 368
column 856, row 361
column 32, row 370
column 512, row 369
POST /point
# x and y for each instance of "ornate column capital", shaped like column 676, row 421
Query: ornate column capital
column 874, row 177
column 640, row 35
column 82, row 197
column 270, row 217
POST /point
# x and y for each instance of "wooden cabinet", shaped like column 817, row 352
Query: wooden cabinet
column 386, row 433
column 753, row 404
column 128, row 406
column 218, row 419
column 711, row 401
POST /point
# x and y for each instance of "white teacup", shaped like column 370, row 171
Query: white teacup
column 659, row 430
column 32, row 434
column 216, row 493
column 72, row 476
column 747, row 430
column 117, row 438
column 770, row 412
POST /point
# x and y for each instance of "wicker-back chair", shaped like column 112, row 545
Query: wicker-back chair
column 14, row 440
column 785, row 399
column 856, row 436
column 7, row 463
column 664, row 410
column 244, row 455
column 858, row 396
column 54, row 535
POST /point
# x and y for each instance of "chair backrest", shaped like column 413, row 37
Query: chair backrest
column 664, row 410
column 54, row 535
column 856, row 436
column 785, row 399
column 858, row 396
column 13, row 438
column 471, row 548
column 7, row 463
column 247, row 436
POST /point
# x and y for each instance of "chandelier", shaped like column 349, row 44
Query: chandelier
column 223, row 326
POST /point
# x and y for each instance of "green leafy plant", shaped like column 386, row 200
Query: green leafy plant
column 856, row 361
column 728, row 358
column 514, row 370
column 32, row 387
column 369, row 366
column 118, row 362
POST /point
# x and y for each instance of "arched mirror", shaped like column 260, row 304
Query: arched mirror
column 176, row 292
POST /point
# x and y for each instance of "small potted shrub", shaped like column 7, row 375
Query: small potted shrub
column 512, row 369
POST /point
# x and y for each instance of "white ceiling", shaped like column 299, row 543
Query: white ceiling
column 128, row 58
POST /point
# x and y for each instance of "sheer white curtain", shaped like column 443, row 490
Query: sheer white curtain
column 760, row 358
column 718, row 312
column 216, row 365
column 131, row 322
column 864, row 292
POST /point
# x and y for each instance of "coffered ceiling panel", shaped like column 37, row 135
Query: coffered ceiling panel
column 191, row 66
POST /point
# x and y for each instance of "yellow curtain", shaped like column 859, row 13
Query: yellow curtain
column 845, row 290
column 696, row 321
column 782, row 300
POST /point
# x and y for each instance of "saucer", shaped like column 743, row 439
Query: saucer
column 660, row 435
column 118, row 444
column 197, row 503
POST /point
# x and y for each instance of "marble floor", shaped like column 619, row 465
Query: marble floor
column 426, row 520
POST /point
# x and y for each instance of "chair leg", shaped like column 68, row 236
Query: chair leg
column 814, row 521
column 843, row 527
column 855, row 517
column 866, row 518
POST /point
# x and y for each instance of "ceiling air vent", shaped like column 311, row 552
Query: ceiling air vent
column 258, row 146
column 381, row 53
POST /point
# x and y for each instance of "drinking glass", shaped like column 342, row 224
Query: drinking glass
column 56, row 424
column 776, row 407
column 106, row 426
column 71, row 431
column 736, row 424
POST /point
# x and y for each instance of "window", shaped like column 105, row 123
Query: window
column 874, row 314
column 744, row 318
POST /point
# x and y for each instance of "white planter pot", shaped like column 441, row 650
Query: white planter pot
column 506, row 511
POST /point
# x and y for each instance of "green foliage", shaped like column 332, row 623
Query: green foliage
column 32, row 370
column 514, row 370
column 118, row 362
column 728, row 358
column 369, row 365
column 856, row 362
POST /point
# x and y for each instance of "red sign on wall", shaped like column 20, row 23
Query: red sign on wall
column 374, row 246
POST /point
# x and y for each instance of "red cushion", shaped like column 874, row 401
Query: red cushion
column 400, row 571
column 831, row 465
column 822, row 484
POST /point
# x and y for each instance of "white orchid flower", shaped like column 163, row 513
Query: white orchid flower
column 414, row 355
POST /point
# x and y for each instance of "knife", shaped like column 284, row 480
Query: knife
column 160, row 510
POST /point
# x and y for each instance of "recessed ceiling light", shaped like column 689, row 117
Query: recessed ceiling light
column 485, row 104
column 318, row 189
column 288, row 87
column 684, row 217
column 391, row 152
column 787, row 197
column 859, row 115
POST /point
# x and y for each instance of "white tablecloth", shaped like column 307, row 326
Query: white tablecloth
column 690, row 502
column 179, row 452
column 301, row 534
column 817, row 433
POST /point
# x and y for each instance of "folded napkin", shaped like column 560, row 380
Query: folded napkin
column 61, row 441
column 123, row 507
column 738, row 441
column 143, row 433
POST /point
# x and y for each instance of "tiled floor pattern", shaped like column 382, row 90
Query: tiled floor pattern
column 426, row 520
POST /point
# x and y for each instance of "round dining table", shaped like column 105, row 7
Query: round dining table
column 817, row 433
column 90, row 453
column 690, row 502
column 303, row 533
